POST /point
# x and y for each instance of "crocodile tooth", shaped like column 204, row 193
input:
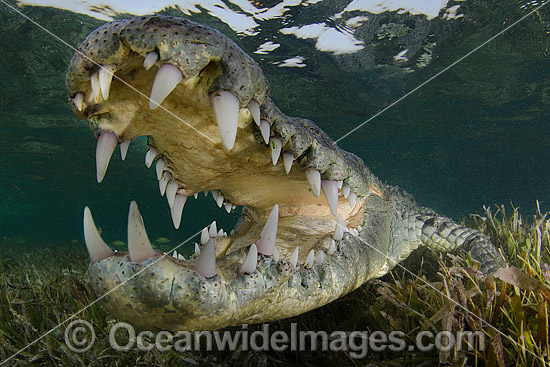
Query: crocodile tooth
column 276, row 146
column 150, row 59
column 171, row 190
column 78, row 100
column 206, row 193
column 219, row 200
column 196, row 195
column 288, row 159
column 228, row 207
column 163, row 182
column 226, row 109
column 346, row 190
column 150, row 156
column 206, row 262
column 106, row 144
column 340, row 184
column 254, row 108
column 181, row 257
column 139, row 247
column 105, row 79
column 330, row 189
column 266, row 242
column 96, row 88
column 220, row 233
column 320, row 259
column 175, row 254
column 339, row 229
column 213, row 232
column 314, row 178
column 215, row 194
column 197, row 249
column 331, row 247
column 168, row 76
column 353, row 231
column 97, row 248
column 294, row 257
column 204, row 236
column 360, row 229
column 276, row 254
column 265, row 130
column 249, row 264
column 352, row 199
column 124, row 148
column 177, row 209
column 160, row 166
column 309, row 260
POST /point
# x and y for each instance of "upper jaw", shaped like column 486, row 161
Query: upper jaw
column 212, row 126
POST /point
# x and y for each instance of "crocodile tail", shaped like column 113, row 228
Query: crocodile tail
column 443, row 234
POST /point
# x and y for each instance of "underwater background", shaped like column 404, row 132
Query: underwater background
column 475, row 135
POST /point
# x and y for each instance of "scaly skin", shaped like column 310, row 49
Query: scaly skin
column 171, row 294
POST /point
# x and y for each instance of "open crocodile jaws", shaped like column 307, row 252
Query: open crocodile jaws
column 211, row 125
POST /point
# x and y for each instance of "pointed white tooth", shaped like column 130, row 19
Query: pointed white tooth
column 220, row 233
column 266, row 242
column 106, row 144
column 97, row 248
column 340, row 184
column 150, row 156
column 331, row 247
column 294, row 257
column 228, row 207
column 175, row 254
column 196, row 195
column 265, row 130
column 171, row 190
column 78, row 100
column 197, row 249
column 254, row 108
column 330, row 189
column 213, row 232
column 206, row 193
column 226, row 108
column 215, row 194
column 339, row 229
column 105, row 79
column 168, row 76
column 150, row 59
column 206, row 262
column 320, row 259
column 309, row 260
column 346, row 190
column 163, row 182
column 288, row 159
column 177, row 209
column 276, row 146
column 233, row 207
column 219, row 200
column 314, row 178
column 276, row 254
column 96, row 88
column 232, row 232
column 139, row 247
column 249, row 264
column 160, row 166
column 351, row 199
column 181, row 257
column 354, row 231
column 204, row 236
column 124, row 148
column 360, row 229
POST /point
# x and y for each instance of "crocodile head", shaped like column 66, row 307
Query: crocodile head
column 211, row 126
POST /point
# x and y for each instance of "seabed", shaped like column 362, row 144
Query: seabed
column 42, row 286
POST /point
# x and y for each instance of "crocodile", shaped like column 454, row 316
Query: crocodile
column 315, row 222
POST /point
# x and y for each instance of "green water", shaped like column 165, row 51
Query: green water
column 476, row 135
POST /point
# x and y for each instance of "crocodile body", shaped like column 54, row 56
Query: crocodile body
column 212, row 125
